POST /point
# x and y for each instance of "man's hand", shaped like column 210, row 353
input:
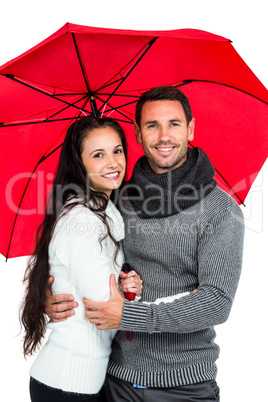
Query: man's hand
column 58, row 307
column 106, row 315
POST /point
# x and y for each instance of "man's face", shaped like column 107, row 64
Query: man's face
column 164, row 134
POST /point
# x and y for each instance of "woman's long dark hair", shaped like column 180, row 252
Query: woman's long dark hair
column 71, row 183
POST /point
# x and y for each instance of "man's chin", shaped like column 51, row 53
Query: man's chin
column 162, row 166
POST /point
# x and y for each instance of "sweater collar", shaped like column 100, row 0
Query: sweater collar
column 160, row 195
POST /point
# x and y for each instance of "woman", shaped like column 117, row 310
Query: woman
column 77, row 243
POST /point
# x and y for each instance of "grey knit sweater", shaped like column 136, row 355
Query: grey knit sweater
column 200, row 247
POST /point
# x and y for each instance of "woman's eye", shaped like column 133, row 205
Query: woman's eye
column 118, row 151
column 98, row 155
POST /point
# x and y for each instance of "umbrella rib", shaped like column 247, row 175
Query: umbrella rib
column 13, row 78
column 185, row 82
column 22, row 197
column 17, row 213
column 115, row 108
column 73, row 94
column 149, row 45
column 92, row 99
column 37, row 122
column 118, row 95
column 80, row 62
column 48, row 119
column 118, row 107
column 66, row 107
column 109, row 84
column 44, row 157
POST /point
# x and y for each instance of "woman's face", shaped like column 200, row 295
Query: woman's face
column 104, row 159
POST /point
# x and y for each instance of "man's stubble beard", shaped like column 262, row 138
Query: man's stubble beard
column 181, row 157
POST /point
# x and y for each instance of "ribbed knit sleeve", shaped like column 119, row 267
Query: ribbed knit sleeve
column 219, row 259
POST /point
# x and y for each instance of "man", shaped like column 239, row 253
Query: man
column 181, row 233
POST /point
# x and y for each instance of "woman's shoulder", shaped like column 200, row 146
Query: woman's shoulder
column 81, row 210
column 77, row 217
column 81, row 215
column 80, row 219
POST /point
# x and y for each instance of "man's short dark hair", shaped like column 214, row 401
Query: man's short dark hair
column 165, row 92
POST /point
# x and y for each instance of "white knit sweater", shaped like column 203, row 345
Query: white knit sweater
column 76, row 354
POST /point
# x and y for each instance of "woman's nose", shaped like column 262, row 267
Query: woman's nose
column 111, row 163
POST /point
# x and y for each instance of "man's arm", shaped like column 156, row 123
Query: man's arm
column 61, row 306
column 219, row 263
column 106, row 315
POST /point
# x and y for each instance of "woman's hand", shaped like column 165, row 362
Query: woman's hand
column 130, row 282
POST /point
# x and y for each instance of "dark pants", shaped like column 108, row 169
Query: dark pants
column 117, row 390
column 42, row 393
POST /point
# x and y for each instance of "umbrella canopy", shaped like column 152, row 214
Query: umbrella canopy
column 83, row 70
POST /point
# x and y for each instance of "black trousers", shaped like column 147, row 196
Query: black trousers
column 116, row 390
column 42, row 393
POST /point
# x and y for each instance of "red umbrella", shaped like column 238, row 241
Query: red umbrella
column 84, row 70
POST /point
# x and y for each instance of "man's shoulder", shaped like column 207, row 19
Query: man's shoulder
column 219, row 197
column 219, row 202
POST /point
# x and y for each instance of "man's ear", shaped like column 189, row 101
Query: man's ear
column 191, row 127
column 137, row 133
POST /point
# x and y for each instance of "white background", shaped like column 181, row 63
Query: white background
column 242, row 375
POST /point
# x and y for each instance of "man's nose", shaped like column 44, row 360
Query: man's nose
column 163, row 134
